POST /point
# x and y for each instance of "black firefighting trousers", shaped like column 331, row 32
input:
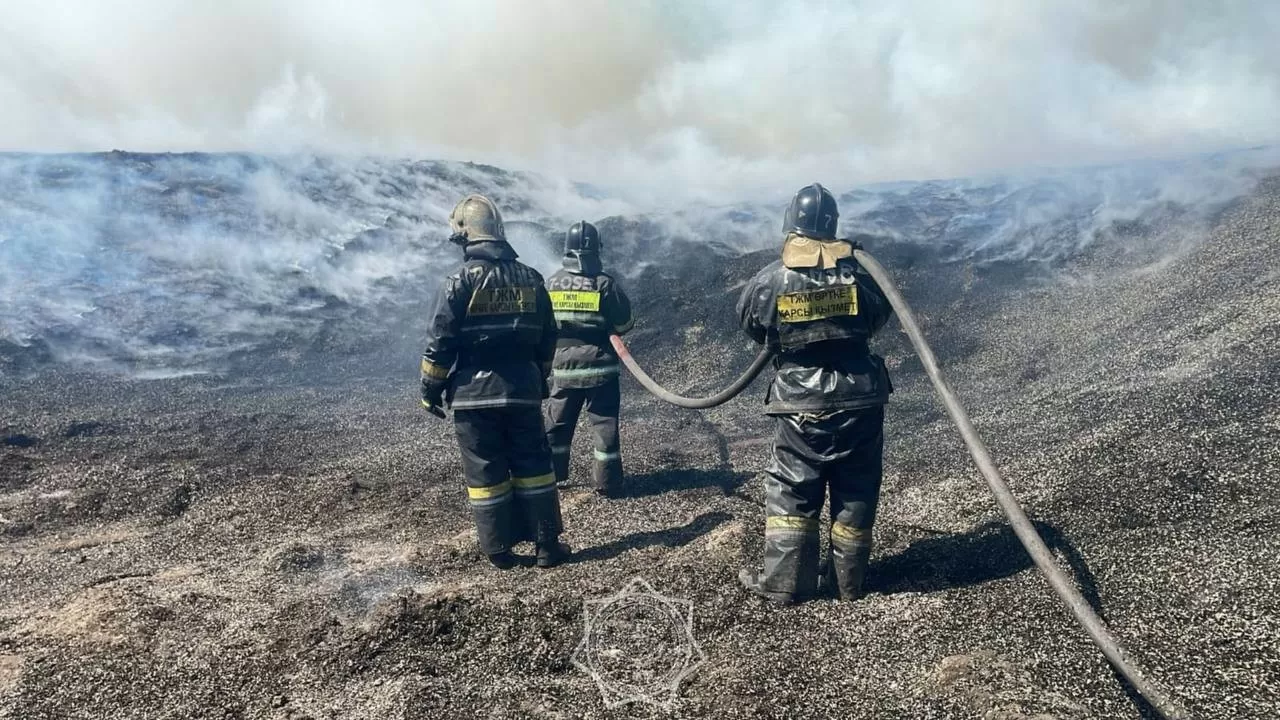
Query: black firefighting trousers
column 510, row 485
column 841, row 451
column 602, row 404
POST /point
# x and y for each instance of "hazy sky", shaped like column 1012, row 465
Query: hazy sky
column 674, row 97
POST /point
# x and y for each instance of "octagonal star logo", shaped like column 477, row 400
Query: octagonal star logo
column 638, row 645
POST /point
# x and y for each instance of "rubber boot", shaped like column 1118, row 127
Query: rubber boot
column 826, row 577
column 560, row 466
column 791, row 549
column 606, row 473
column 497, row 521
column 848, row 570
column 537, row 502
column 553, row 553
column 754, row 582
column 503, row 560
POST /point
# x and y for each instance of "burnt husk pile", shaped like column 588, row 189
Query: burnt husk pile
column 219, row 499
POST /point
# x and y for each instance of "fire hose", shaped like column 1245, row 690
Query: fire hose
column 720, row 398
column 1022, row 526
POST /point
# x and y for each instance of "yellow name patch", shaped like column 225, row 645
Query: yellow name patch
column 575, row 300
column 503, row 301
column 818, row 304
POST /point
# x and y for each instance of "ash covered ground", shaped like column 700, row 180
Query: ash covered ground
column 219, row 498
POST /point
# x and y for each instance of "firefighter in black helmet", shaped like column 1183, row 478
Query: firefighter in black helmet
column 589, row 305
column 489, row 349
column 818, row 309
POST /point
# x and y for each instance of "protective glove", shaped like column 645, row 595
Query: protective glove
column 433, row 397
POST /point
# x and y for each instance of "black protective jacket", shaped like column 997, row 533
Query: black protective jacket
column 492, row 335
column 819, row 322
column 589, row 305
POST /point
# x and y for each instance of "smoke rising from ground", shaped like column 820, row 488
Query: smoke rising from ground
column 661, row 97
column 160, row 264
column 173, row 263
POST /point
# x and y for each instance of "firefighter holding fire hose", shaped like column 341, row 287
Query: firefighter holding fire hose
column 817, row 308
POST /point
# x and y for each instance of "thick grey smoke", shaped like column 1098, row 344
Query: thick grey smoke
column 666, row 98
column 154, row 265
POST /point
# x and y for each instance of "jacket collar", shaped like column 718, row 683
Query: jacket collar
column 583, row 264
column 489, row 250
column 799, row 252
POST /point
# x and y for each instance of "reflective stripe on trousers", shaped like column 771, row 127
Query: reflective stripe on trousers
column 510, row 486
column 837, row 455
column 602, row 405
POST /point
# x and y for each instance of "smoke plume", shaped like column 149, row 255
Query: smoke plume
column 322, row 212
column 664, row 98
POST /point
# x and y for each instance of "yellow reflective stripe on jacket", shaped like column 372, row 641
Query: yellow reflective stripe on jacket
column 433, row 371
column 576, row 300
column 532, row 483
column 486, row 493
column 790, row 523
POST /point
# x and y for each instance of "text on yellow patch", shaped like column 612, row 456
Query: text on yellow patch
column 818, row 304
column 575, row 300
column 503, row 301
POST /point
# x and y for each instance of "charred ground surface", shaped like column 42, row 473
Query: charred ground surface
column 294, row 542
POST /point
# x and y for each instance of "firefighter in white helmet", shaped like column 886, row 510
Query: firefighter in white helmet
column 489, row 350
